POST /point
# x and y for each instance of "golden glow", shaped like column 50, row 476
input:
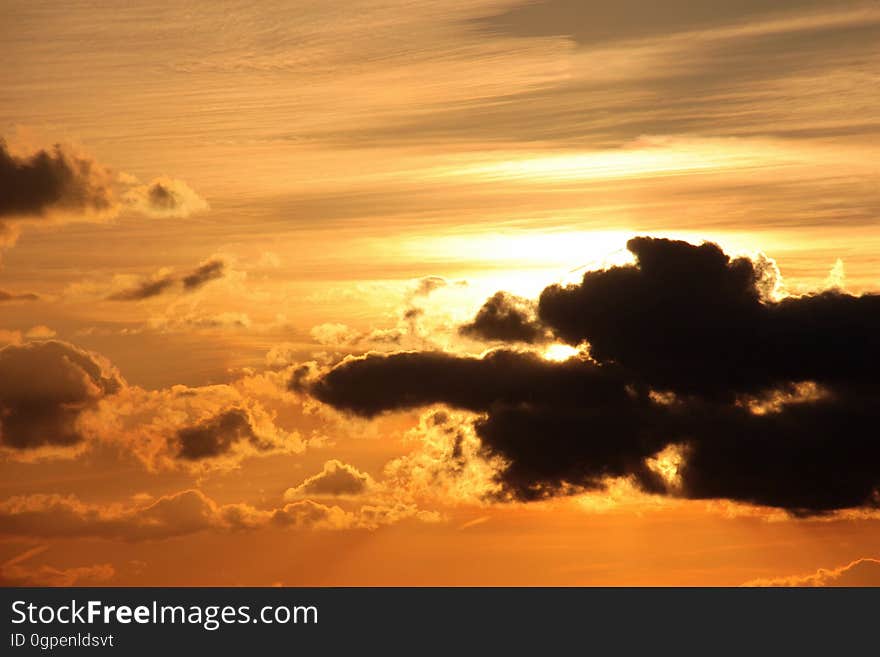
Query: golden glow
column 560, row 352
column 667, row 463
column 644, row 159
column 334, row 155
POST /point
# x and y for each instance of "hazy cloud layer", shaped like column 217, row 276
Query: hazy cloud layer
column 5, row 295
column 762, row 401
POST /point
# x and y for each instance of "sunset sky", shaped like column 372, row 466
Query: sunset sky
column 346, row 293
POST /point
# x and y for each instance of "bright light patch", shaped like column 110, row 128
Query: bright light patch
column 560, row 352
column 644, row 158
column 667, row 463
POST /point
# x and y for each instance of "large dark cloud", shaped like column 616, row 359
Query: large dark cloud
column 506, row 318
column 691, row 319
column 44, row 387
column 380, row 382
column 687, row 350
column 51, row 180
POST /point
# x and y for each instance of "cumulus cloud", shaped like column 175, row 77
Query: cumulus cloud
column 861, row 572
column 197, row 429
column 55, row 180
column 506, row 318
column 768, row 402
column 206, row 272
column 218, row 435
column 692, row 319
column 179, row 514
column 57, row 400
column 55, row 516
column 166, row 197
column 337, row 479
column 60, row 184
column 45, row 387
column 449, row 463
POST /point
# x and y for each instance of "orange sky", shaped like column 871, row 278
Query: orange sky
column 257, row 187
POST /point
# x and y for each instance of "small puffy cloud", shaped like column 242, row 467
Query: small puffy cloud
column 40, row 332
column 57, row 400
column 45, row 387
column 61, row 185
column 53, row 181
column 448, row 463
column 861, row 572
column 337, row 479
column 218, row 435
column 165, row 197
column 308, row 513
column 506, row 318
column 334, row 334
column 207, row 428
column 428, row 284
column 283, row 355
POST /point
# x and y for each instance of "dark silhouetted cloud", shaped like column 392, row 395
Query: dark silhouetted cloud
column 691, row 319
column 204, row 273
column 51, row 180
column 44, row 387
column 217, row 435
column 209, row 271
column 767, row 402
column 505, row 318
column 144, row 290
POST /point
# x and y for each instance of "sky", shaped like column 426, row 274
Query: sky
column 505, row 292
